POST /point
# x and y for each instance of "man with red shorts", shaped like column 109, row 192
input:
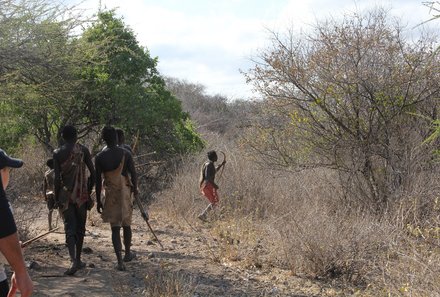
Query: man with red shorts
column 207, row 185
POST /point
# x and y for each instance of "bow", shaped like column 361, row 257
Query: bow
column 223, row 167
column 135, row 142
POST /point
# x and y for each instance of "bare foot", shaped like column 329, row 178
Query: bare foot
column 120, row 267
column 72, row 270
column 129, row 256
column 80, row 265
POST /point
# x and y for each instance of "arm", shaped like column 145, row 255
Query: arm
column 89, row 163
column 45, row 187
column 21, row 281
column 220, row 166
column 10, row 248
column 132, row 170
column 98, row 185
column 57, row 177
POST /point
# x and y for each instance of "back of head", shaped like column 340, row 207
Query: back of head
column 69, row 133
column 212, row 156
column 49, row 163
column 109, row 135
column 121, row 136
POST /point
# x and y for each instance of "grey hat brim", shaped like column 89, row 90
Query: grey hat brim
column 14, row 163
column 6, row 161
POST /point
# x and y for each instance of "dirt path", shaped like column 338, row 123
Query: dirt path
column 186, row 262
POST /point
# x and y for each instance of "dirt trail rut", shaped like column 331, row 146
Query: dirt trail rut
column 187, row 258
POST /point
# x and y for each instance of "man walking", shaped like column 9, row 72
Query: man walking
column 115, row 164
column 208, row 187
column 72, row 192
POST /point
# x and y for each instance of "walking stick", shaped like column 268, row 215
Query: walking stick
column 145, row 217
column 28, row 242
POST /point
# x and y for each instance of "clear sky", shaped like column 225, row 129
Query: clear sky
column 209, row 41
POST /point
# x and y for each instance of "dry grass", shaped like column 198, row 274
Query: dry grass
column 25, row 191
column 163, row 283
column 300, row 221
column 305, row 224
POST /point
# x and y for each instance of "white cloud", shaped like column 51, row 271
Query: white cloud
column 209, row 41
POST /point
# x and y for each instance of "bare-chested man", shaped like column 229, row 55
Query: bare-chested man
column 208, row 187
column 72, row 191
column 114, row 164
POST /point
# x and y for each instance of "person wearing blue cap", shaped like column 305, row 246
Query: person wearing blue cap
column 9, row 243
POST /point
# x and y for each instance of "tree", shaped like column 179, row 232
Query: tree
column 50, row 76
column 124, row 88
column 36, row 61
column 345, row 97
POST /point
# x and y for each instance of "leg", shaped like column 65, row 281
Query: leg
column 70, row 226
column 203, row 215
column 211, row 194
column 49, row 217
column 81, row 231
column 50, row 206
column 127, row 244
column 117, row 245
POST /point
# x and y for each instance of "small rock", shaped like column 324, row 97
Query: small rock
column 87, row 250
column 150, row 256
column 173, row 241
column 149, row 242
column 34, row 265
column 91, row 265
column 274, row 290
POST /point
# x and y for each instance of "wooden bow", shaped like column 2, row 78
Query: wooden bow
column 223, row 167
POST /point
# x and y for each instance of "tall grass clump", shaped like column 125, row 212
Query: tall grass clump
column 25, row 189
column 305, row 221
column 163, row 283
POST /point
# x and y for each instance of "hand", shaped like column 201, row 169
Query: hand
column 21, row 283
column 145, row 216
column 99, row 207
column 90, row 185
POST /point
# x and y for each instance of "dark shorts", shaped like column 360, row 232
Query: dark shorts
column 4, row 288
column 74, row 218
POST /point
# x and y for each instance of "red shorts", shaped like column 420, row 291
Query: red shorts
column 210, row 192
